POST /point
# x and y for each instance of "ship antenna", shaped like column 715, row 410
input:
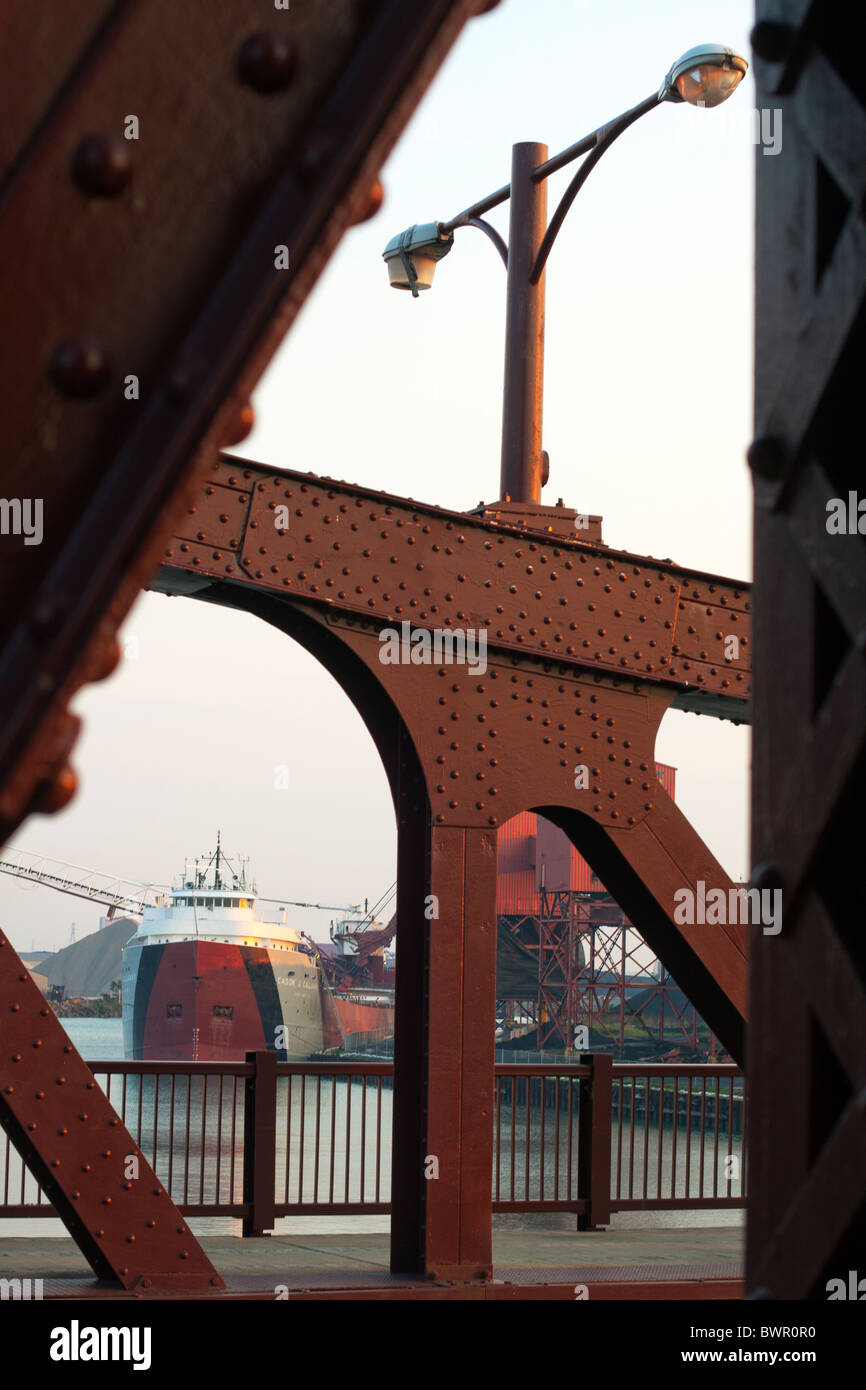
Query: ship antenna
column 217, row 883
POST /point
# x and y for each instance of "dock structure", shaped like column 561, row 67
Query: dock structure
column 587, row 646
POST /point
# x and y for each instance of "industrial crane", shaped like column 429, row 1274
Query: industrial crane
column 117, row 894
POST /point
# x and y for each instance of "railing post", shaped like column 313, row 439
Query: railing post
column 594, row 1140
column 260, row 1139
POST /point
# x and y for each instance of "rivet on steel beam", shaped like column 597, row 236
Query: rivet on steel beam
column 78, row 366
column 267, row 61
column 772, row 40
column 101, row 165
column 767, row 876
column 766, row 457
column 371, row 205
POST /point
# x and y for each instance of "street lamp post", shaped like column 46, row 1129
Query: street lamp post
column 521, row 477
column 704, row 76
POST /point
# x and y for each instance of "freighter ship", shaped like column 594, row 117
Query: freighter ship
column 206, row 978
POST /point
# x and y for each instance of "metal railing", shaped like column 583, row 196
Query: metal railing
column 679, row 1137
column 259, row 1140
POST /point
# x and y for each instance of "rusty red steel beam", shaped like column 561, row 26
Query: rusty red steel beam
column 544, row 594
column 81, row 1154
column 284, row 150
column 460, row 1007
column 588, row 647
column 598, row 643
column 42, row 57
column 153, row 265
column 159, row 237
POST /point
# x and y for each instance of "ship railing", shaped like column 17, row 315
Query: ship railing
column 260, row 1140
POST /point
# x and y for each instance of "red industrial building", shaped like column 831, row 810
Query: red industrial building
column 573, row 972
column 533, row 854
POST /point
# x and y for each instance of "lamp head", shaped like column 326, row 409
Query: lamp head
column 411, row 257
column 704, row 76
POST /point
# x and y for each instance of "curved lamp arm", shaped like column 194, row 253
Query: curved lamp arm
column 602, row 140
column 606, row 137
column 487, row 229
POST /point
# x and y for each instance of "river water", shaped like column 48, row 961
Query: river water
column 333, row 1140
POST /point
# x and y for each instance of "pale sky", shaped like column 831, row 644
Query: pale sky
column 647, row 418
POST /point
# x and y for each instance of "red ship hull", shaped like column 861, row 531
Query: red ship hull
column 213, row 1001
column 353, row 1024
